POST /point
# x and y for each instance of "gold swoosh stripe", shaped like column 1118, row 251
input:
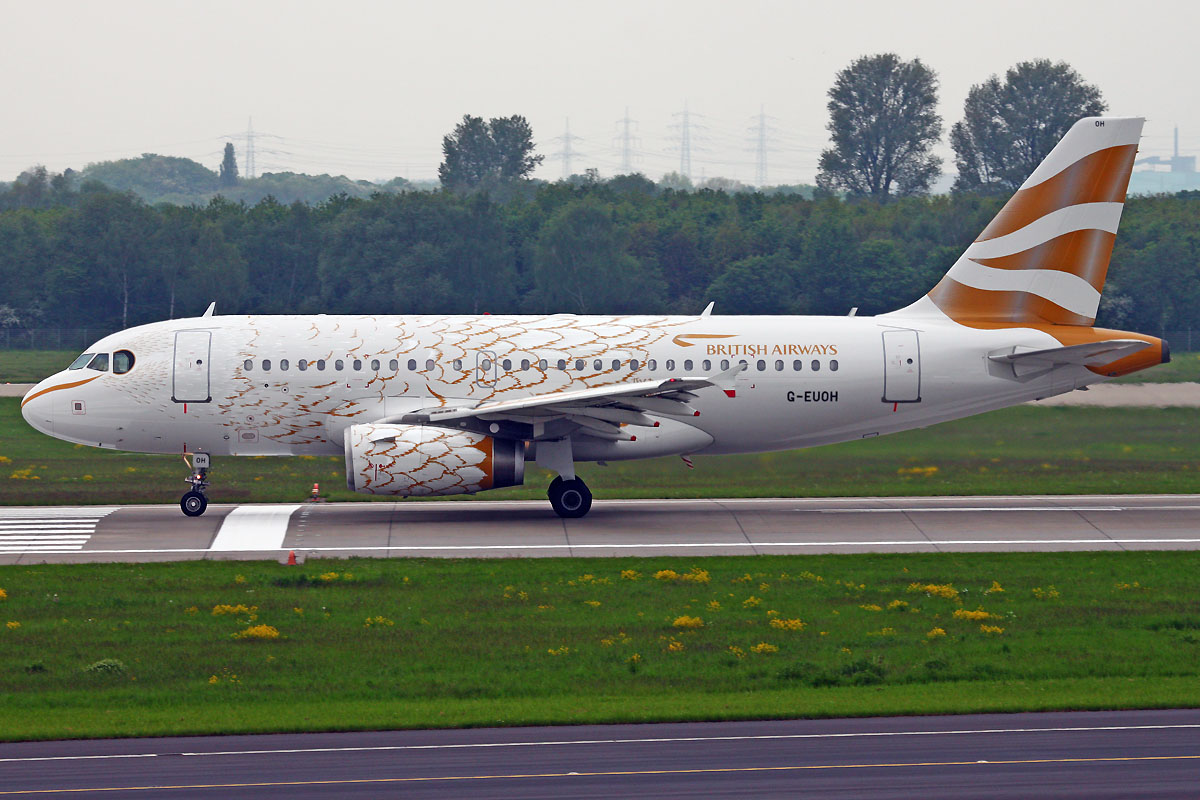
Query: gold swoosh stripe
column 679, row 340
column 49, row 389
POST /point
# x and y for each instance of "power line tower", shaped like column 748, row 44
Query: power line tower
column 626, row 142
column 760, row 131
column 249, row 158
column 685, row 140
column 568, row 152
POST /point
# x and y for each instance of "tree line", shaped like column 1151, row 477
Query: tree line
column 94, row 257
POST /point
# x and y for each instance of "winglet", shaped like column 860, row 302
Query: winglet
column 725, row 380
column 208, row 312
column 708, row 309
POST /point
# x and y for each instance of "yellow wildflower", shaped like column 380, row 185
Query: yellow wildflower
column 945, row 590
column 666, row 575
column 559, row 651
column 688, row 622
column 1049, row 593
column 763, row 648
column 239, row 579
column 936, row 633
column 257, row 632
column 991, row 629
column 713, row 605
column 737, row 652
column 12, row 625
column 630, row 574
column 376, row 622
column 897, row 605
column 3, row 595
column 751, row 602
column 191, row 610
column 975, row 616
column 592, row 603
column 871, row 607
column 788, row 624
column 996, row 588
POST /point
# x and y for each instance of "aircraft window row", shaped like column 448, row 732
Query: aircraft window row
column 123, row 362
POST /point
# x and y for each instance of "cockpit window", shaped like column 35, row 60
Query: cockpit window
column 122, row 362
column 82, row 361
column 99, row 363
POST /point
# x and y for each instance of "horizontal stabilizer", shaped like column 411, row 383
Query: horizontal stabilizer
column 1091, row 354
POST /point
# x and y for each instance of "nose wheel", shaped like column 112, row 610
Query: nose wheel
column 570, row 499
column 195, row 502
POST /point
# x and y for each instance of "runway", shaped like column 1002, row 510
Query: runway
column 1144, row 754
column 488, row 529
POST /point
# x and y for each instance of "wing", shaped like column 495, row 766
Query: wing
column 601, row 412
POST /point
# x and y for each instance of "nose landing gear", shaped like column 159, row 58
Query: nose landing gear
column 195, row 502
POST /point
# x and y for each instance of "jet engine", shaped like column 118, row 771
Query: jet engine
column 421, row 460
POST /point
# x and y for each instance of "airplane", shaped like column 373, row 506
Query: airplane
column 442, row 405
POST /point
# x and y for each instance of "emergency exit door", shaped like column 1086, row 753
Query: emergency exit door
column 901, row 367
column 190, row 382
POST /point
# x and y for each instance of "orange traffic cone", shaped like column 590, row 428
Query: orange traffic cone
column 291, row 558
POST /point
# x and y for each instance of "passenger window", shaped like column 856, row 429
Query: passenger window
column 833, row 366
column 394, row 365
column 633, row 365
column 743, row 363
column 687, row 365
column 670, row 365
column 542, row 364
column 302, row 364
column 82, row 361
column 248, row 365
column 761, row 365
column 507, row 364
column 358, row 365
column 779, row 366
column 562, row 363
column 652, row 365
column 797, row 365
column 816, row 365
column 412, row 365
column 579, row 364
column 616, row 365
column 724, row 364
column 484, row 365
column 524, row 364
column 375, row 365
column 122, row 361
column 707, row 365
column 266, row 365
column 284, row 364
column 457, row 363
column 339, row 365
column 99, row 362
column 430, row 364
column 321, row 364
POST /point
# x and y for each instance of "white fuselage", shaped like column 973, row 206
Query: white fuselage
column 204, row 384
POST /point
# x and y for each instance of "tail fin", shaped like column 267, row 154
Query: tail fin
column 1044, row 258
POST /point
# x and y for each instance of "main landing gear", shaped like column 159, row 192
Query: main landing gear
column 195, row 502
column 571, row 499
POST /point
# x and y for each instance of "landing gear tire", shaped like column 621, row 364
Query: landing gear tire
column 193, row 503
column 571, row 499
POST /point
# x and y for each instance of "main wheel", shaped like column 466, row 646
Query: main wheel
column 193, row 503
column 570, row 499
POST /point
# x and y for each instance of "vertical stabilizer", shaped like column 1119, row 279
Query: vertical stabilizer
column 1044, row 258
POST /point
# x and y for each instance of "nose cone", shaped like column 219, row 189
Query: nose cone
column 35, row 408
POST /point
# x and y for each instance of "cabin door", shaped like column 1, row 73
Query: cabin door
column 901, row 367
column 190, row 379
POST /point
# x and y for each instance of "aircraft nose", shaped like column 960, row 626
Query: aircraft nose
column 36, row 409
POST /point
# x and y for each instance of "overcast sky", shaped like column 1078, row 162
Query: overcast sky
column 368, row 89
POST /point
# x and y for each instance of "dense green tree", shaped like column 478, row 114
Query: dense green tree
column 1009, row 128
column 581, row 266
column 757, row 285
column 229, row 168
column 883, row 122
column 483, row 154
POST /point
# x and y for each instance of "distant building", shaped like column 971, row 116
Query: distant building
column 1179, row 173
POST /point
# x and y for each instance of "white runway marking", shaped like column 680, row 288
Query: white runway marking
column 48, row 530
column 976, row 509
column 660, row 740
column 253, row 528
column 865, row 543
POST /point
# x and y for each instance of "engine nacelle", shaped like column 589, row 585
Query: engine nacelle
column 422, row 460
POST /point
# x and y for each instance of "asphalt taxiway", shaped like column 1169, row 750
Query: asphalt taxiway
column 1143, row 754
column 481, row 528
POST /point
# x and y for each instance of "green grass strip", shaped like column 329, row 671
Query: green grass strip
column 207, row 647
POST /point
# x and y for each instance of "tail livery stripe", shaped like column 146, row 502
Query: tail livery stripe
column 1044, row 258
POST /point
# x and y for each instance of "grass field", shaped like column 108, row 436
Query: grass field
column 196, row 647
column 1015, row 451
column 31, row 366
